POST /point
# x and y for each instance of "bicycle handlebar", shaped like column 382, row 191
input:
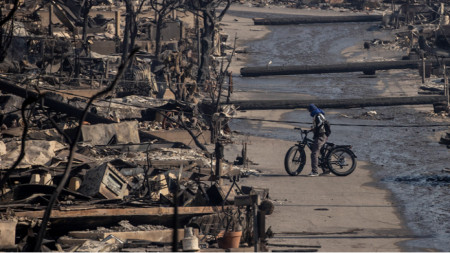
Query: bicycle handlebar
column 303, row 130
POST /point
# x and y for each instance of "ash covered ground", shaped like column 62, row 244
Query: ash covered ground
column 408, row 160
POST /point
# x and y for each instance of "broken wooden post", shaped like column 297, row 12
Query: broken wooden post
column 244, row 155
column 255, row 226
column 219, row 156
column 446, row 86
column 230, row 86
column 261, row 219
column 446, row 89
column 117, row 19
column 50, row 14
column 423, row 69
column 252, row 201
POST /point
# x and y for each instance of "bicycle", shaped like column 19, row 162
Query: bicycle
column 339, row 159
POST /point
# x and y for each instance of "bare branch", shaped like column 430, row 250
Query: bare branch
column 58, row 190
column 224, row 10
column 138, row 11
column 58, row 129
column 197, row 142
column 10, row 14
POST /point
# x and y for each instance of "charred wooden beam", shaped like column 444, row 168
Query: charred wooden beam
column 88, row 217
column 7, row 87
column 315, row 19
column 366, row 67
column 89, row 211
column 336, row 103
column 55, row 105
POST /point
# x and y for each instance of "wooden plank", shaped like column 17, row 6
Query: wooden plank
column 65, row 240
column 162, row 236
column 116, row 212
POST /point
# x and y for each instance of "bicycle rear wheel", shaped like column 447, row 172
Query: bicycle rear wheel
column 341, row 161
column 295, row 160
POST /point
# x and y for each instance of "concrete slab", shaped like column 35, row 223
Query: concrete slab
column 7, row 234
column 102, row 134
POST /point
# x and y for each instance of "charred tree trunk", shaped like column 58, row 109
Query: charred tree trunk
column 162, row 10
column 6, row 33
column 127, row 31
column 207, row 9
column 207, row 38
column 159, row 26
column 86, row 10
column 133, row 31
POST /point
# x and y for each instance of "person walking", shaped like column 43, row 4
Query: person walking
column 319, row 139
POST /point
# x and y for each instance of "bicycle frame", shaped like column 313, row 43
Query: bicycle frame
column 332, row 157
column 324, row 150
column 309, row 142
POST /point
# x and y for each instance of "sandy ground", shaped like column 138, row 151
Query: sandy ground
column 237, row 24
column 332, row 213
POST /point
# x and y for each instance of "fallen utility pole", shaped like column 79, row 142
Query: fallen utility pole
column 366, row 67
column 335, row 103
column 315, row 19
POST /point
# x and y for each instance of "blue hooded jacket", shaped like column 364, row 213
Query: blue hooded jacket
column 313, row 109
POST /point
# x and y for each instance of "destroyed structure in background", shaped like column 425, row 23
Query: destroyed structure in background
column 140, row 164
column 137, row 167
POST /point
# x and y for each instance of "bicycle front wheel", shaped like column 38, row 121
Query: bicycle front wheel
column 341, row 161
column 295, row 160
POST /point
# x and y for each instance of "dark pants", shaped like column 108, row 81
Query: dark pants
column 315, row 151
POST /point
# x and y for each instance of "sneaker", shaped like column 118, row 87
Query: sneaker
column 325, row 173
column 312, row 174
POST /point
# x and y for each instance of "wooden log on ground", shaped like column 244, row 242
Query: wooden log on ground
column 366, row 67
column 336, row 103
column 315, row 19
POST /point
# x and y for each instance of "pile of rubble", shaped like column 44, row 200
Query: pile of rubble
column 116, row 176
column 134, row 169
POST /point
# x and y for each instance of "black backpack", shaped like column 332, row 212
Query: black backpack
column 327, row 127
